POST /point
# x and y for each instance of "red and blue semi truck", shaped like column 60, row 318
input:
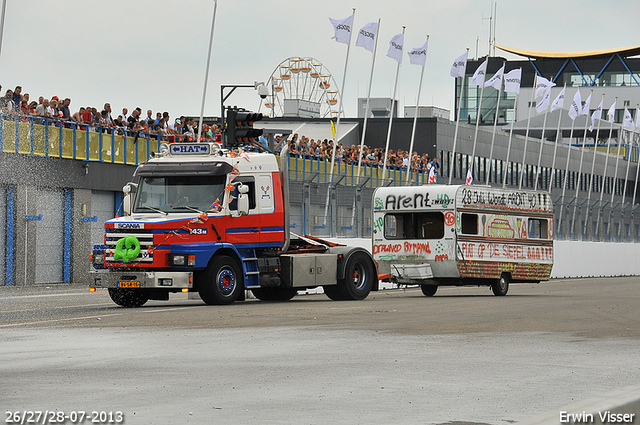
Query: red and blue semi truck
column 199, row 218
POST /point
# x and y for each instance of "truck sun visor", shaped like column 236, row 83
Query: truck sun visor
column 185, row 169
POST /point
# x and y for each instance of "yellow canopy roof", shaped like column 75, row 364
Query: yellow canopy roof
column 538, row 54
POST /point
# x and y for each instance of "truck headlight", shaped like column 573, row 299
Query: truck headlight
column 98, row 258
column 182, row 260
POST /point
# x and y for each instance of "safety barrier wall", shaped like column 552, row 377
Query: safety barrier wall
column 318, row 170
column 53, row 138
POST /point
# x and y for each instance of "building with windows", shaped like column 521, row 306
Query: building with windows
column 592, row 174
column 613, row 73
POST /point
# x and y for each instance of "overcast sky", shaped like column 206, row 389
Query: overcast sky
column 152, row 53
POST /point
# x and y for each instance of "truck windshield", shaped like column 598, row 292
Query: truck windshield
column 178, row 193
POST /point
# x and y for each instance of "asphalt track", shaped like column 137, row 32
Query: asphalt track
column 463, row 356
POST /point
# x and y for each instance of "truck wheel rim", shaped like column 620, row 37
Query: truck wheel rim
column 226, row 281
column 358, row 276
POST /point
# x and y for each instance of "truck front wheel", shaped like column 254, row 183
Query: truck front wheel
column 358, row 278
column 221, row 282
column 429, row 290
column 126, row 297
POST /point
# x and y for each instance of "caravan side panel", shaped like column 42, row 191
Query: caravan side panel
column 414, row 233
column 502, row 230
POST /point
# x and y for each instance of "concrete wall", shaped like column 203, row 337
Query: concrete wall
column 575, row 258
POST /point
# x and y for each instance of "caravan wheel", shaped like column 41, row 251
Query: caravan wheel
column 501, row 286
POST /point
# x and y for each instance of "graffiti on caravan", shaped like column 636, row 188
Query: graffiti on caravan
column 509, row 199
column 413, row 201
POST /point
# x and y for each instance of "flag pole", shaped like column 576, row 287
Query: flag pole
column 366, row 117
column 415, row 119
column 504, row 178
column 635, row 186
column 344, row 77
column 475, row 136
column 206, row 73
column 368, row 108
column 604, row 175
column 555, row 147
column 584, row 140
column 335, row 136
column 542, row 140
column 495, row 124
column 593, row 170
column 615, row 177
column 615, row 172
column 393, row 104
column 566, row 175
column 455, row 133
column 626, row 177
column 526, row 134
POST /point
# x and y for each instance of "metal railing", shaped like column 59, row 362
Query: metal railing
column 67, row 139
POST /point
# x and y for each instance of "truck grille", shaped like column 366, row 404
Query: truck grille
column 144, row 237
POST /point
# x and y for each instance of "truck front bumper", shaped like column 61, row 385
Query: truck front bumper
column 136, row 279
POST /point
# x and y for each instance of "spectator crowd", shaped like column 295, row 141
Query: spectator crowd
column 159, row 126
column 375, row 157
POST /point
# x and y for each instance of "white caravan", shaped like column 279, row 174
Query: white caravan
column 437, row 235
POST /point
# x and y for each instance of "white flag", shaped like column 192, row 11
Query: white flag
column 418, row 56
column 478, row 76
column 542, row 85
column 367, row 36
column 395, row 47
column 469, row 177
column 459, row 66
column 586, row 106
column 612, row 113
column 558, row 103
column 496, row 80
column 628, row 120
column 543, row 105
column 576, row 106
column 512, row 80
column 432, row 175
column 342, row 29
column 597, row 115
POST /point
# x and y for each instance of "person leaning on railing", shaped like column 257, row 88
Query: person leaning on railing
column 6, row 103
column 42, row 109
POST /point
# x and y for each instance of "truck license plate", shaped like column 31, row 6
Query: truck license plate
column 128, row 284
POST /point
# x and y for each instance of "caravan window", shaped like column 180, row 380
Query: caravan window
column 469, row 224
column 423, row 225
column 538, row 228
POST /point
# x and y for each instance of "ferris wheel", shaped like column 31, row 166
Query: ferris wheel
column 306, row 80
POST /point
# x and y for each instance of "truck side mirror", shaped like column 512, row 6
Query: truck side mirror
column 243, row 199
column 128, row 191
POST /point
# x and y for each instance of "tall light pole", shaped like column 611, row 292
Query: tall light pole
column 206, row 74
column 4, row 7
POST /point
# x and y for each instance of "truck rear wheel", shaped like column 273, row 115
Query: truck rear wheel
column 332, row 292
column 274, row 294
column 358, row 278
column 429, row 290
column 500, row 286
column 221, row 282
column 130, row 298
